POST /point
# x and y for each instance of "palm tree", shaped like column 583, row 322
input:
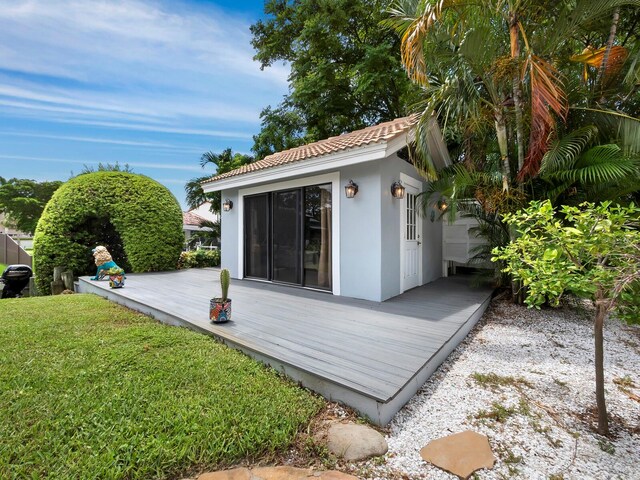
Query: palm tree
column 223, row 162
column 487, row 56
column 578, row 169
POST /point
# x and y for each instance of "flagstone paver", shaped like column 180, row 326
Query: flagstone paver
column 461, row 453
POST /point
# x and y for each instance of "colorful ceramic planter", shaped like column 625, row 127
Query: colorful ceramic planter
column 220, row 310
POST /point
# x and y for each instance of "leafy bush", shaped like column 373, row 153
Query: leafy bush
column 136, row 218
column 592, row 251
column 199, row 259
column 629, row 304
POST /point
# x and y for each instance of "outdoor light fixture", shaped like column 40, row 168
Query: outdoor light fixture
column 397, row 190
column 442, row 205
column 227, row 205
column 351, row 189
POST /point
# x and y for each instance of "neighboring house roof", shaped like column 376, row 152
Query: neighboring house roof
column 190, row 218
column 384, row 132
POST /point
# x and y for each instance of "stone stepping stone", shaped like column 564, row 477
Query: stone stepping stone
column 355, row 442
column 461, row 453
column 275, row 473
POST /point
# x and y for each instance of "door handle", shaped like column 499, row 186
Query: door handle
column 419, row 242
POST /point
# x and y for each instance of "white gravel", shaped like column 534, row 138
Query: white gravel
column 549, row 434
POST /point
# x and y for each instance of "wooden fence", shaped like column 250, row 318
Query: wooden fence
column 11, row 253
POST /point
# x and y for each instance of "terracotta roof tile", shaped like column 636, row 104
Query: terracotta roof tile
column 190, row 218
column 370, row 135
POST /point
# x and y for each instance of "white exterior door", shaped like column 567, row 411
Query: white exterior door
column 411, row 245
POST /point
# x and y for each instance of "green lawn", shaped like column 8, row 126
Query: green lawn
column 89, row 389
column 2, row 267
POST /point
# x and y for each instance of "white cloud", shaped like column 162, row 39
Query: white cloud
column 129, row 143
column 133, row 61
column 162, row 166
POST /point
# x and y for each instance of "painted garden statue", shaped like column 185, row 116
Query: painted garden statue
column 106, row 266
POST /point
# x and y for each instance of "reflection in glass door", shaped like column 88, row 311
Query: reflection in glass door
column 285, row 231
column 317, row 236
column 288, row 236
column 256, row 236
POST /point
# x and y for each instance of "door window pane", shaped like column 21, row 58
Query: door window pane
column 256, row 236
column 286, row 236
column 317, row 236
column 411, row 217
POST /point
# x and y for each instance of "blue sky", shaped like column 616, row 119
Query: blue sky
column 146, row 82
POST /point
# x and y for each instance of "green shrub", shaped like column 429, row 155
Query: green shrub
column 628, row 306
column 136, row 218
column 199, row 259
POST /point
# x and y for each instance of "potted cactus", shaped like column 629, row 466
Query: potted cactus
column 220, row 307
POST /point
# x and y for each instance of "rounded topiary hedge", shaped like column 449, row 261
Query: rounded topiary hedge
column 135, row 217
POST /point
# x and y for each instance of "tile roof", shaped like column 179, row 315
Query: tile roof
column 382, row 132
column 190, row 218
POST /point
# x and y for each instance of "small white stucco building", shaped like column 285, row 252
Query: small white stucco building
column 288, row 219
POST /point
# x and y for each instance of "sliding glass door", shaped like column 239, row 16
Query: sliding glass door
column 287, row 236
column 256, row 236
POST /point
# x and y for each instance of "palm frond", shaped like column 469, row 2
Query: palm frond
column 547, row 98
column 602, row 163
column 413, row 20
column 563, row 152
column 421, row 156
column 584, row 12
column 615, row 127
column 595, row 57
column 195, row 195
column 632, row 77
column 599, row 164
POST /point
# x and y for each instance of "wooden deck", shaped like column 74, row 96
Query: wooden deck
column 372, row 356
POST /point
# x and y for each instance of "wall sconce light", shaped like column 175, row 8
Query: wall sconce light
column 442, row 205
column 227, row 205
column 397, row 190
column 351, row 189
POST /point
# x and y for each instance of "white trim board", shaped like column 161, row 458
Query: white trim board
column 334, row 179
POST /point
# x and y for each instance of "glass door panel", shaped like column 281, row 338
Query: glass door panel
column 286, row 236
column 317, row 236
column 256, row 232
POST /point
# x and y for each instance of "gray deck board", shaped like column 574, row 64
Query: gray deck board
column 373, row 349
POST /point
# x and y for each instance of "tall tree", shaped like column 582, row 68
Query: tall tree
column 507, row 63
column 22, row 201
column 345, row 70
column 224, row 162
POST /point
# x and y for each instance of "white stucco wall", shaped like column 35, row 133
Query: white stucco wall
column 369, row 232
column 360, row 241
column 230, row 244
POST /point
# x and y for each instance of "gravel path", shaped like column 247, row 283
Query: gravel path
column 537, row 408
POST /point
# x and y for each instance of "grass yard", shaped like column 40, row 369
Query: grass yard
column 89, row 389
column 2, row 267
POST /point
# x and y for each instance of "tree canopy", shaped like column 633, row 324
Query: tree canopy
column 22, row 201
column 509, row 78
column 346, row 72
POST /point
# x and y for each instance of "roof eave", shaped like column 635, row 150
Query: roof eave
column 309, row 166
